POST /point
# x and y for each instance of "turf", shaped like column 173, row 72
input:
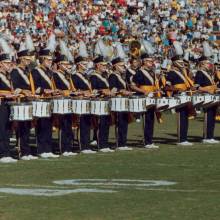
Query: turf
column 196, row 170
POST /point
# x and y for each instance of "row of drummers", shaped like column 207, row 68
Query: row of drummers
column 53, row 78
column 44, row 108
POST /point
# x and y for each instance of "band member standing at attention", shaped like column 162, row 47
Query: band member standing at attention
column 117, row 83
column 177, row 82
column 83, row 87
column 5, row 91
column 63, row 83
column 205, row 79
column 144, row 82
column 100, row 84
column 42, row 85
column 21, row 85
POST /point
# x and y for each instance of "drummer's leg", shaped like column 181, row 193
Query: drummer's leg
column 104, row 131
column 85, row 122
column 149, row 126
column 44, row 135
column 211, row 112
column 95, row 130
column 66, row 133
column 122, row 129
column 183, row 124
column 23, row 135
column 4, row 131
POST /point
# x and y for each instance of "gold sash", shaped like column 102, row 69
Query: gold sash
column 148, row 88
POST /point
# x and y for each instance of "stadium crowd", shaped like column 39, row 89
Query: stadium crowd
column 159, row 21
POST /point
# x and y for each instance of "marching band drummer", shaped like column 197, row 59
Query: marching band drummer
column 83, row 89
column 130, row 72
column 63, row 83
column 21, row 85
column 100, row 84
column 143, row 82
column 178, row 81
column 205, row 79
column 117, row 83
column 41, row 83
column 5, row 90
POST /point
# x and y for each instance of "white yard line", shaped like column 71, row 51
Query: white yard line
column 179, row 190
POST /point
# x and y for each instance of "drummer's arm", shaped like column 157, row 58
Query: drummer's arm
column 170, row 88
column 137, row 89
column 86, row 93
column 66, row 92
column 106, row 92
column 135, row 81
column 199, row 79
column 26, row 92
column 207, row 90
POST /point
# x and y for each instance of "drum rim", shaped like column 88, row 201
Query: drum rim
column 78, row 99
column 64, row 98
column 138, row 97
column 41, row 101
column 21, row 104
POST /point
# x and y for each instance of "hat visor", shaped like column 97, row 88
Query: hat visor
column 103, row 63
column 27, row 57
column 6, row 61
column 120, row 62
column 47, row 57
column 64, row 62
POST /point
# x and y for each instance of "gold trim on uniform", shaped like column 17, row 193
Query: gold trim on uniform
column 5, row 80
column 43, row 74
column 63, row 78
column 22, row 74
column 86, row 81
column 103, row 79
column 147, row 74
column 120, row 79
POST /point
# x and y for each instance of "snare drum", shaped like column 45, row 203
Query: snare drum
column 210, row 101
column 137, row 104
column 41, row 109
column 173, row 102
column 21, row 112
column 208, row 98
column 217, row 98
column 198, row 99
column 184, row 100
column 119, row 104
column 100, row 107
column 162, row 103
column 81, row 106
column 150, row 102
column 62, row 106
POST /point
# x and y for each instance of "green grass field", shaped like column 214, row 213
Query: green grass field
column 195, row 196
